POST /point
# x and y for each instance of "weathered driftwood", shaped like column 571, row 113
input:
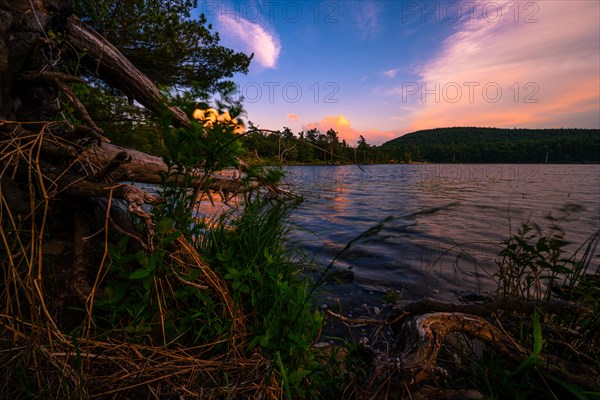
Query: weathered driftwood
column 415, row 358
column 423, row 336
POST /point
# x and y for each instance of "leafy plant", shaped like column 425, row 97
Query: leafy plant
column 528, row 260
column 532, row 263
column 533, row 266
column 268, row 283
column 144, row 295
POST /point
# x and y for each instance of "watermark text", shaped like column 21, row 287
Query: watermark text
column 453, row 92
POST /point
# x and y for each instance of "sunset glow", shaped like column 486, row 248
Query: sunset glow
column 385, row 68
column 210, row 116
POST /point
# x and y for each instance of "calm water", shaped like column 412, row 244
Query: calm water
column 434, row 228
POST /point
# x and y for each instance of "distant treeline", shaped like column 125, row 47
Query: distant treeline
column 493, row 145
column 309, row 147
column 442, row 145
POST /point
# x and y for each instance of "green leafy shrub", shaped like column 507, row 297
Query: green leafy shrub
column 268, row 283
column 533, row 265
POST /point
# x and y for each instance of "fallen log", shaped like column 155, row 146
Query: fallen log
column 146, row 168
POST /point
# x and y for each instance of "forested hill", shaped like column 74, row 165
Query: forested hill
column 495, row 145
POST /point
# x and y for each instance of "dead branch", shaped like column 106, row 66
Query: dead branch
column 59, row 81
column 122, row 224
column 185, row 282
column 118, row 160
column 136, row 198
column 111, row 66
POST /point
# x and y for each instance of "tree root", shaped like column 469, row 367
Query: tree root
column 483, row 309
column 420, row 329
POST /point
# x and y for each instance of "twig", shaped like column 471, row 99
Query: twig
column 59, row 81
column 189, row 283
column 357, row 322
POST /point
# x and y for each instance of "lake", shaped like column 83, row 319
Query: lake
column 430, row 229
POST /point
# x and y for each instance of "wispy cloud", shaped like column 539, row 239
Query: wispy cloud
column 538, row 74
column 366, row 17
column 391, row 73
column 251, row 37
column 342, row 126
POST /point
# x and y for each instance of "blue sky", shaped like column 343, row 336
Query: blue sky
column 386, row 68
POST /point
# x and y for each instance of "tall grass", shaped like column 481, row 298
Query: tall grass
column 269, row 284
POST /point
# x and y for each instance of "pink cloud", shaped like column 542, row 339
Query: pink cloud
column 507, row 73
column 341, row 125
column 291, row 117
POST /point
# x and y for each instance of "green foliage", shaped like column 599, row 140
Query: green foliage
column 531, row 379
column 532, row 263
column 142, row 296
column 268, row 284
column 311, row 146
column 137, row 302
column 163, row 40
column 392, row 296
column 181, row 54
column 207, row 145
column 528, row 260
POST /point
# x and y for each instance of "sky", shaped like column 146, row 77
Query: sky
column 382, row 68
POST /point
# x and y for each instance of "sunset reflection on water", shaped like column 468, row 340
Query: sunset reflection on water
column 444, row 223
